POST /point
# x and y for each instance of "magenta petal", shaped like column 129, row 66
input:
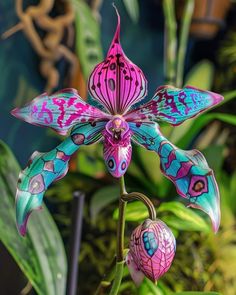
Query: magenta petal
column 136, row 274
column 174, row 105
column 116, row 82
column 60, row 111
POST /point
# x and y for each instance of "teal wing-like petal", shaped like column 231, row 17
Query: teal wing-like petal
column 44, row 168
column 188, row 170
column 174, row 105
column 60, row 111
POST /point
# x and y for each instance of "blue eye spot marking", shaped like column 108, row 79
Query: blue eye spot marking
column 111, row 164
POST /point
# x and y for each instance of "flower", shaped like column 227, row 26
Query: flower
column 117, row 87
column 152, row 250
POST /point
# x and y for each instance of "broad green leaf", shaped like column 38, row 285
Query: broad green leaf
column 201, row 75
column 197, row 124
column 132, row 8
column 135, row 211
column 149, row 288
column 228, row 96
column 183, row 218
column 196, row 293
column 40, row 254
column 102, row 198
column 88, row 43
column 212, row 153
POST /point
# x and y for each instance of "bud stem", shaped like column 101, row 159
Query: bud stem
column 142, row 198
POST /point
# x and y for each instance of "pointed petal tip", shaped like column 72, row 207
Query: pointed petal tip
column 15, row 112
column 22, row 229
column 213, row 213
column 217, row 98
column 117, row 33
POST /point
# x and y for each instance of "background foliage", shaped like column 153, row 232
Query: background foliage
column 204, row 262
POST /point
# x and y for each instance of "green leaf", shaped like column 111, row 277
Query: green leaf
column 102, row 198
column 195, row 125
column 132, row 8
column 201, row 75
column 135, row 211
column 212, row 153
column 196, row 293
column 149, row 288
column 228, row 96
column 40, row 254
column 88, row 42
column 183, row 218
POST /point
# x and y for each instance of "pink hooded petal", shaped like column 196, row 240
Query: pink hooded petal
column 116, row 82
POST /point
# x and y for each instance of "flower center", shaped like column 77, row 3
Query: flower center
column 117, row 129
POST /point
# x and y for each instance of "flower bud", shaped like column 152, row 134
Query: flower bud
column 152, row 250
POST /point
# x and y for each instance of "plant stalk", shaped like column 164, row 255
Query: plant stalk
column 144, row 199
column 77, row 217
column 120, row 241
column 184, row 32
column 170, row 46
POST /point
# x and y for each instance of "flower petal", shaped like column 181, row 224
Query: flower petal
column 174, row 105
column 44, row 168
column 136, row 274
column 60, row 111
column 188, row 170
column 116, row 82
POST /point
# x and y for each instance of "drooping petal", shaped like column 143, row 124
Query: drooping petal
column 116, row 82
column 136, row 274
column 188, row 170
column 174, row 105
column 60, row 111
column 44, row 168
column 117, row 146
column 152, row 247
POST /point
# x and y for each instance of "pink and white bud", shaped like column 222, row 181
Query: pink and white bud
column 152, row 250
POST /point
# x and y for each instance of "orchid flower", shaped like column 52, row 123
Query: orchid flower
column 152, row 250
column 118, row 117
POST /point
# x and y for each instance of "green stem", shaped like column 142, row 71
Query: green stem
column 184, row 31
column 107, row 279
column 120, row 241
column 170, row 41
column 144, row 199
column 118, row 277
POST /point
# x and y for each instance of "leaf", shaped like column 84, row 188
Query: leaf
column 201, row 75
column 88, row 43
column 132, row 8
column 102, row 198
column 196, row 293
column 149, row 288
column 135, row 211
column 183, row 218
column 40, row 254
column 228, row 96
column 195, row 125
column 212, row 153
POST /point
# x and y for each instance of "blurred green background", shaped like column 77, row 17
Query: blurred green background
column 155, row 36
